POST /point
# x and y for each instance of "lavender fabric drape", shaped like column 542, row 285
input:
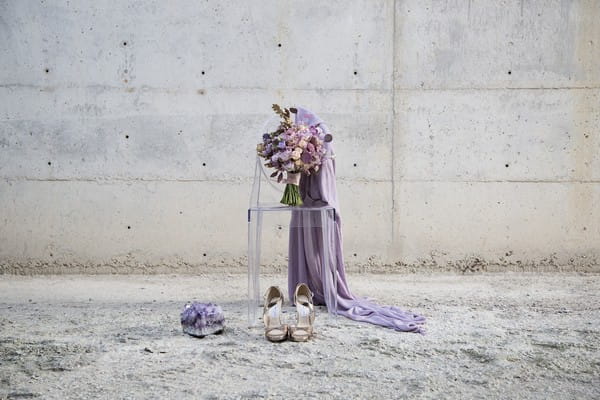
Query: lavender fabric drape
column 305, row 246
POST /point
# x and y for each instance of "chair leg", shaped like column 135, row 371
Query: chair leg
column 254, row 244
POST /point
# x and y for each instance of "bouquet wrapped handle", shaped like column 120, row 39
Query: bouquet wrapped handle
column 293, row 178
column 291, row 194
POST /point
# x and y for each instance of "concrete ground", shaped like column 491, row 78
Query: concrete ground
column 512, row 335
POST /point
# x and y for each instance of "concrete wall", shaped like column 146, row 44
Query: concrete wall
column 467, row 132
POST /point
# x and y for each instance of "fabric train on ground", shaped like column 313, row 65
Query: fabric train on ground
column 306, row 246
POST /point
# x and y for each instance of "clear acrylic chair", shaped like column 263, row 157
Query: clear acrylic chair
column 264, row 199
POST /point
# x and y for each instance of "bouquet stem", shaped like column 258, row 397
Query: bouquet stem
column 291, row 194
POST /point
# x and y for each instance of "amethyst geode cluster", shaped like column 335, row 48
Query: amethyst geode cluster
column 201, row 319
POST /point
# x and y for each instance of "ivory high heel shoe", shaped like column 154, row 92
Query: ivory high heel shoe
column 275, row 331
column 303, row 299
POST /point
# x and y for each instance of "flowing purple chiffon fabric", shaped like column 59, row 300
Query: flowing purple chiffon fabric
column 306, row 245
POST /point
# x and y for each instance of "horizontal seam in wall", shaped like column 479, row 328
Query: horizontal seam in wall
column 501, row 181
column 339, row 179
column 108, row 180
column 498, row 88
column 193, row 90
column 188, row 89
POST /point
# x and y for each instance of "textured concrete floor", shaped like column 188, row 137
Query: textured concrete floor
column 489, row 336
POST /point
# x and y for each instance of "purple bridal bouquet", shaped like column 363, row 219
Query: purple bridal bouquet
column 294, row 149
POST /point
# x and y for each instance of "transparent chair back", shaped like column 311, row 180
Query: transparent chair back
column 266, row 191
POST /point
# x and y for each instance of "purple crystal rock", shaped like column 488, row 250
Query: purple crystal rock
column 201, row 319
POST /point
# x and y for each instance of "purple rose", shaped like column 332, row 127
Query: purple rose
column 306, row 157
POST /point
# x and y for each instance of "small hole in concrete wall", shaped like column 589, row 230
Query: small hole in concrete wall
column 202, row 72
column 506, row 165
column 355, row 164
column 204, row 254
column 180, row 212
column 355, row 72
column 204, row 164
column 509, row 72
column 49, row 163
column 279, row 227
column 585, row 135
column 46, row 70
column 128, row 226
column 124, row 43
column 126, row 136
column 584, row 228
column 354, row 254
column 52, row 254
column 278, row 44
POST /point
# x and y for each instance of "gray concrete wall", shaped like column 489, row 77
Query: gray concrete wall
column 467, row 132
